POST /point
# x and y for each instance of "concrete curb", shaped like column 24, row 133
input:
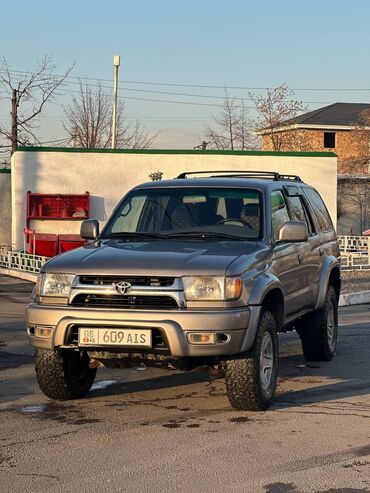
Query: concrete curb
column 359, row 298
column 20, row 274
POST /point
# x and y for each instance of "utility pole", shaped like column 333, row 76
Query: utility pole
column 116, row 61
column 74, row 135
column 14, row 129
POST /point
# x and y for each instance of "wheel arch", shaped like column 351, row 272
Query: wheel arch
column 335, row 280
column 330, row 274
column 271, row 298
column 274, row 302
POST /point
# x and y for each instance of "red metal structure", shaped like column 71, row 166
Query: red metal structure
column 54, row 207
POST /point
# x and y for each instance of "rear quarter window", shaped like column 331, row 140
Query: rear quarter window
column 319, row 209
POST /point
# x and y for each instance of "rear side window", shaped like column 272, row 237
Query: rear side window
column 319, row 208
column 279, row 212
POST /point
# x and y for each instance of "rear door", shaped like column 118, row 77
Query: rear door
column 326, row 238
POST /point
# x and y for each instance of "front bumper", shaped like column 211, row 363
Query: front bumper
column 239, row 323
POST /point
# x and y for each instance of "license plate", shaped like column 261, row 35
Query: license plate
column 114, row 337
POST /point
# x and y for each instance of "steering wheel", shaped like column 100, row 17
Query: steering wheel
column 231, row 220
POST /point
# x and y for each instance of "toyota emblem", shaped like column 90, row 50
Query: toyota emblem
column 122, row 287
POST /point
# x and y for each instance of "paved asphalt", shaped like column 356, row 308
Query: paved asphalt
column 154, row 430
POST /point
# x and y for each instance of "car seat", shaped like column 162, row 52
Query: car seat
column 250, row 215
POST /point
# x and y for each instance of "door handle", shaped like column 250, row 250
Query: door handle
column 300, row 257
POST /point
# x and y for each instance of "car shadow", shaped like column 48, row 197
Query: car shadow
column 347, row 375
column 178, row 379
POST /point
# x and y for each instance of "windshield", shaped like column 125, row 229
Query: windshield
column 192, row 212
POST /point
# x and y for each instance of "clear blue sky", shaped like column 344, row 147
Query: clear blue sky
column 315, row 44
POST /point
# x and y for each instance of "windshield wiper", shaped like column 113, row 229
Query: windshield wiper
column 180, row 234
column 204, row 234
column 132, row 234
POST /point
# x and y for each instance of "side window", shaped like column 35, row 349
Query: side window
column 129, row 218
column 298, row 212
column 319, row 208
column 279, row 212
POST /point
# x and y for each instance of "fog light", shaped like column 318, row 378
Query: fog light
column 43, row 331
column 31, row 331
column 202, row 338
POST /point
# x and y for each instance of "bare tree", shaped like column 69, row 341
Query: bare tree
column 357, row 162
column 359, row 200
column 231, row 129
column 28, row 93
column 353, row 207
column 275, row 110
column 88, row 119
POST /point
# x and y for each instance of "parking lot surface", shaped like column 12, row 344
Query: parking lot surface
column 146, row 429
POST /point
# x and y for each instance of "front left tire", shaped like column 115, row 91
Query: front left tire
column 251, row 377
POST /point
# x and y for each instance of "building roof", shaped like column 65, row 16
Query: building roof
column 334, row 114
column 340, row 116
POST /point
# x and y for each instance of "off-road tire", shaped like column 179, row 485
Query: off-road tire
column 318, row 341
column 242, row 372
column 63, row 374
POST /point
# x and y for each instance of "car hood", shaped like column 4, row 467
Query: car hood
column 164, row 257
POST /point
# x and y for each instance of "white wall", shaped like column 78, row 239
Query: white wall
column 109, row 175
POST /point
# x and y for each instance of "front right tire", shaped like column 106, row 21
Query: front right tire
column 63, row 374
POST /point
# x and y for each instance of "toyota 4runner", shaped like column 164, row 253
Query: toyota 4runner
column 191, row 272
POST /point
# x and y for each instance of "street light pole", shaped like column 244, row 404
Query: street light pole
column 116, row 61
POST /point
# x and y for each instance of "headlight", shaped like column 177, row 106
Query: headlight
column 212, row 288
column 54, row 284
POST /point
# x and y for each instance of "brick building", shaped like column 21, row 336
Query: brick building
column 343, row 128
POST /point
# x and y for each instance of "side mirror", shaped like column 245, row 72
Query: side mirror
column 90, row 229
column 293, row 231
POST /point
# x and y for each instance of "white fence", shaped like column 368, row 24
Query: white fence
column 21, row 261
column 355, row 252
column 356, row 244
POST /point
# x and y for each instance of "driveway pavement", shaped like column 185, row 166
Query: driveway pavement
column 155, row 430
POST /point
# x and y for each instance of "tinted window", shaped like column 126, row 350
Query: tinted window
column 319, row 208
column 279, row 212
column 174, row 211
column 298, row 212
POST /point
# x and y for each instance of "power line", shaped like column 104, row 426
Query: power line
column 156, row 100
column 189, row 95
column 207, row 96
column 210, row 86
column 175, row 93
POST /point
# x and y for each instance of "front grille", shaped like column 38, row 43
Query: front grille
column 127, row 302
column 133, row 280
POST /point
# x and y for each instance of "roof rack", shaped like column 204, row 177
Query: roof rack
column 269, row 175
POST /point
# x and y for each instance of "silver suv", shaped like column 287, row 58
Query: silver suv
column 190, row 272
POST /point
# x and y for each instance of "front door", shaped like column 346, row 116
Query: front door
column 290, row 260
